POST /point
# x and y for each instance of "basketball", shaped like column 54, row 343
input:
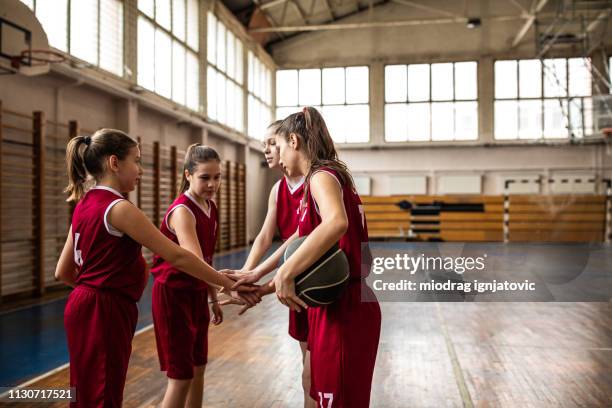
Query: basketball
column 323, row 282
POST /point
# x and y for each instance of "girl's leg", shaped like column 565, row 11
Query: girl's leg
column 196, row 391
column 176, row 393
column 308, row 401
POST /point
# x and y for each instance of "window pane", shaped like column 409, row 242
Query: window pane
column 466, row 120
column 555, row 119
column 441, row 82
column 220, row 46
column 53, row 16
column 530, row 119
column 250, row 69
column 555, row 77
column 310, row 87
column 580, row 77
column 230, row 95
column 505, row 79
column 269, row 86
column 396, row 122
column 212, row 38
column 396, row 83
column 162, row 13
column 146, row 54
column 530, row 77
column 333, row 85
column 442, row 121
column 587, row 104
column 211, row 93
column 193, row 82
column 287, row 88
column 506, row 120
column 84, row 30
column 221, row 107
column 282, row 113
column 239, row 108
column 239, row 61
column 418, row 122
column 575, row 112
column 163, row 64
column 231, row 55
column 336, row 120
column 178, row 73
column 192, row 24
column 146, row 6
column 256, row 76
column 111, row 36
column 178, row 18
column 418, row 82
column 357, row 85
column 357, row 118
column 466, row 80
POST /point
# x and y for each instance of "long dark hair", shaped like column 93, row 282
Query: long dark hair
column 310, row 127
column 196, row 154
column 85, row 156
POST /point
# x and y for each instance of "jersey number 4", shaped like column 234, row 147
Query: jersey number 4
column 78, row 258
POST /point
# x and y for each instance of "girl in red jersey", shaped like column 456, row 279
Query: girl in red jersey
column 343, row 336
column 283, row 205
column 180, row 302
column 102, row 259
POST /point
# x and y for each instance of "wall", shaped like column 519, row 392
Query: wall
column 431, row 43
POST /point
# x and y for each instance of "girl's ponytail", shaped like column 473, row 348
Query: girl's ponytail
column 75, row 162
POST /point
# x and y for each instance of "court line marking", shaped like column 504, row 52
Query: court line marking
column 60, row 368
column 457, row 371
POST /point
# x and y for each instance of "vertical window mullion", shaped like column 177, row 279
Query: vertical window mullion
column 98, row 34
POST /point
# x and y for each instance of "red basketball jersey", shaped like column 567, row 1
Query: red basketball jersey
column 106, row 258
column 206, row 229
column 355, row 237
column 287, row 207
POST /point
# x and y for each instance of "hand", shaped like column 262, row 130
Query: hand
column 285, row 291
column 242, row 276
column 249, row 297
column 233, row 301
column 217, row 313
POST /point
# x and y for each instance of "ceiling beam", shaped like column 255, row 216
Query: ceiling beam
column 380, row 24
column 530, row 20
column 419, row 6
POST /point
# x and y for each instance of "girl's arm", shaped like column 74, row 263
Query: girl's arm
column 334, row 223
column 66, row 270
column 266, row 235
column 128, row 219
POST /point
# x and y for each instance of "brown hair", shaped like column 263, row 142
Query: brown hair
column 274, row 126
column 85, row 155
column 196, row 154
column 310, row 127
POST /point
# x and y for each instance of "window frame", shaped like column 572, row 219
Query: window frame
column 430, row 101
column 566, row 109
column 322, row 105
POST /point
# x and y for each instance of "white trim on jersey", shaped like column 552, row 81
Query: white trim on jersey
column 171, row 211
column 296, row 186
column 112, row 190
column 109, row 228
column 207, row 213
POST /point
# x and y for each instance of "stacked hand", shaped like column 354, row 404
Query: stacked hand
column 244, row 279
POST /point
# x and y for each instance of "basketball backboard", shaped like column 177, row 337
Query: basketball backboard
column 24, row 47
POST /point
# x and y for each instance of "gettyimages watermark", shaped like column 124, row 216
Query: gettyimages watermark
column 474, row 272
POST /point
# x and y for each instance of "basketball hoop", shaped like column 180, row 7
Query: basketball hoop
column 37, row 58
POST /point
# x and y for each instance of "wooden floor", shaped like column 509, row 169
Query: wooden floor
column 430, row 355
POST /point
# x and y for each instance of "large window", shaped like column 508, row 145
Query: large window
column 340, row 94
column 543, row 99
column 168, row 49
column 260, row 96
column 425, row 102
column 95, row 29
column 224, row 75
